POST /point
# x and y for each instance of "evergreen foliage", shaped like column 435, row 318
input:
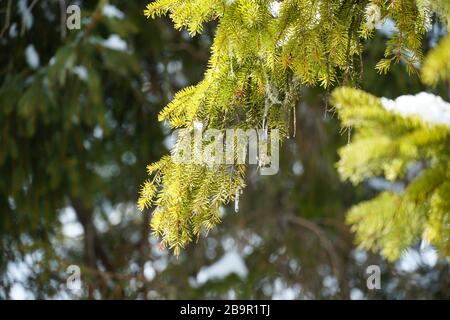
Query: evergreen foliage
column 292, row 237
column 437, row 63
column 263, row 52
column 70, row 126
column 391, row 145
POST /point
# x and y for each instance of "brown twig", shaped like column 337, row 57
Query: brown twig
column 8, row 18
column 327, row 245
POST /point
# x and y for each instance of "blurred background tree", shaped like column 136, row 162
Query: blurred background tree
column 78, row 125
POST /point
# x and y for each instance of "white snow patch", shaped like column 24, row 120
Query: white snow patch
column 115, row 216
column 330, row 284
column 149, row 271
column 356, row 294
column 409, row 261
column 230, row 263
column 111, row 11
column 114, row 42
column 27, row 17
column 275, row 9
column 71, row 228
column 388, row 28
column 98, row 132
column 32, row 57
column 52, row 61
column 412, row 259
column 360, row 256
column 428, row 254
column 18, row 292
column 297, row 168
column 281, row 291
column 383, row 184
column 429, row 107
column 81, row 72
column 430, row 257
column 13, row 31
column 18, row 271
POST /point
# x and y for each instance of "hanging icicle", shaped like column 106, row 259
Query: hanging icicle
column 236, row 201
column 295, row 119
column 266, row 110
column 230, row 56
